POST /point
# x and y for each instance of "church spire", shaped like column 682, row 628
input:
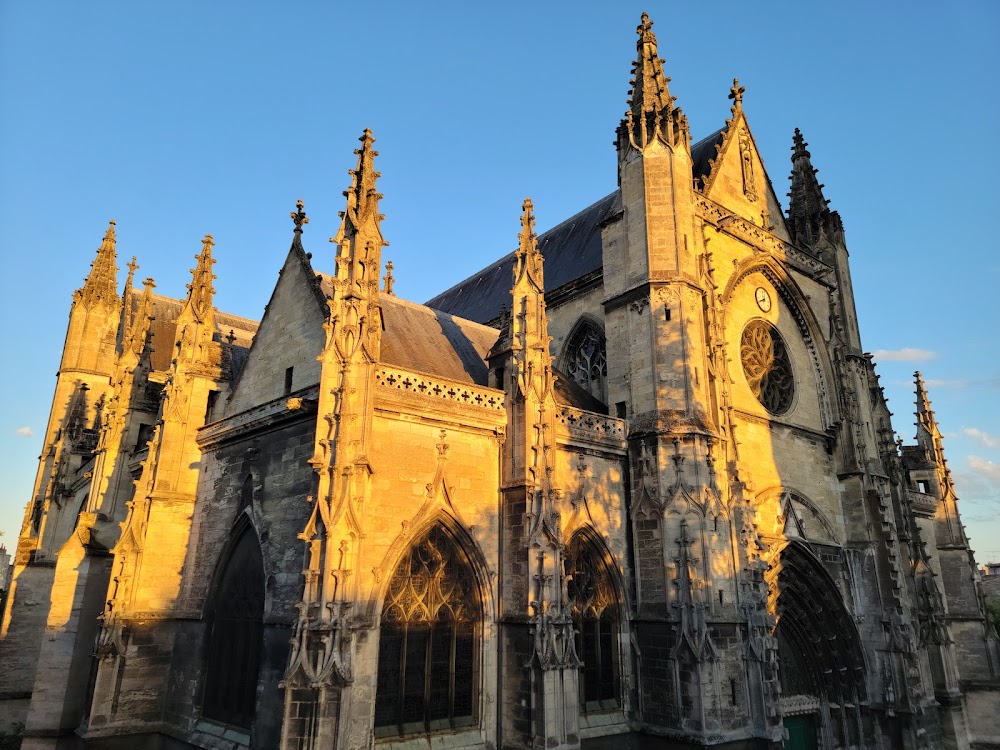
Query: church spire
column 809, row 217
column 651, row 112
column 100, row 285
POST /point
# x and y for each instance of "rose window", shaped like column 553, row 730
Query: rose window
column 767, row 367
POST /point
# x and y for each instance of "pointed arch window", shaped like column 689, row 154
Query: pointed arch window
column 235, row 632
column 585, row 360
column 428, row 645
column 596, row 618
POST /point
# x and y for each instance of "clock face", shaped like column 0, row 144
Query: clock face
column 763, row 299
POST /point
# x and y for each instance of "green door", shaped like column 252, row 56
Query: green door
column 801, row 732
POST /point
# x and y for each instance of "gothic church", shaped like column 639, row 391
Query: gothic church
column 635, row 483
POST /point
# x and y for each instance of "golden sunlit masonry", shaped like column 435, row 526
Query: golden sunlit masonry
column 636, row 479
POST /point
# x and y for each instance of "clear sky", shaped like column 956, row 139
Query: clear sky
column 180, row 119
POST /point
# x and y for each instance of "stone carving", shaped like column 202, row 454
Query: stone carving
column 470, row 395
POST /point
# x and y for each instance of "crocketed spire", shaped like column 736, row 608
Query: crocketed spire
column 651, row 112
column 808, row 215
column 100, row 285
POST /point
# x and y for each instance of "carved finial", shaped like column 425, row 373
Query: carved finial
column 736, row 94
column 799, row 146
column 527, row 236
column 528, row 261
column 231, row 336
column 389, row 280
column 299, row 217
column 442, row 447
column 132, row 266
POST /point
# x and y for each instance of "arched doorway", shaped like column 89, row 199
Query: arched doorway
column 428, row 678
column 235, row 631
column 820, row 660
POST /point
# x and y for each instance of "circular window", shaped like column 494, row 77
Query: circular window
column 767, row 367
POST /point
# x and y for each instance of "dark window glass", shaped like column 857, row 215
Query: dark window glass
column 595, row 618
column 234, row 638
column 427, row 647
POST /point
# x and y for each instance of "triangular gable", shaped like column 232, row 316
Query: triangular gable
column 738, row 180
column 290, row 335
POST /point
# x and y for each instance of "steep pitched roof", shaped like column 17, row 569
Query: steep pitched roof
column 571, row 249
column 164, row 331
column 703, row 152
column 416, row 337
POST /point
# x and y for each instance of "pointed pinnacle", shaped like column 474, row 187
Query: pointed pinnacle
column 799, row 146
column 100, row 283
column 527, row 236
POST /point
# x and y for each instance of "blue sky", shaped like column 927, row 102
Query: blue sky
column 180, row 119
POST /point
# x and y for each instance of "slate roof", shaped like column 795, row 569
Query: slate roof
column 164, row 331
column 571, row 249
column 704, row 150
column 419, row 338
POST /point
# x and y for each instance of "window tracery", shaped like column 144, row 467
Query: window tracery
column 767, row 366
column 594, row 607
column 428, row 646
column 586, row 360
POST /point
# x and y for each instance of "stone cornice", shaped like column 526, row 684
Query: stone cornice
column 761, row 240
column 592, row 429
column 436, row 388
column 268, row 415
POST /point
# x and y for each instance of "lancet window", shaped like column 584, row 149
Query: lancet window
column 235, row 631
column 596, row 617
column 586, row 361
column 429, row 641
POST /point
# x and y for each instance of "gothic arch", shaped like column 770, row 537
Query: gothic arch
column 234, row 627
column 597, row 605
column 430, row 638
column 819, row 645
column 805, row 320
column 775, row 498
column 404, row 542
column 584, row 357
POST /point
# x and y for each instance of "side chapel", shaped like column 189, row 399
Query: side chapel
column 636, row 479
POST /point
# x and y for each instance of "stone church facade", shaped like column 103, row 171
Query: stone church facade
column 634, row 482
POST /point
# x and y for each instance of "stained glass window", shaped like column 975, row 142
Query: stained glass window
column 427, row 674
column 586, row 360
column 767, row 366
column 595, row 618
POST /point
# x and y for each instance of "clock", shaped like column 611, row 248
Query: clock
column 763, row 299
